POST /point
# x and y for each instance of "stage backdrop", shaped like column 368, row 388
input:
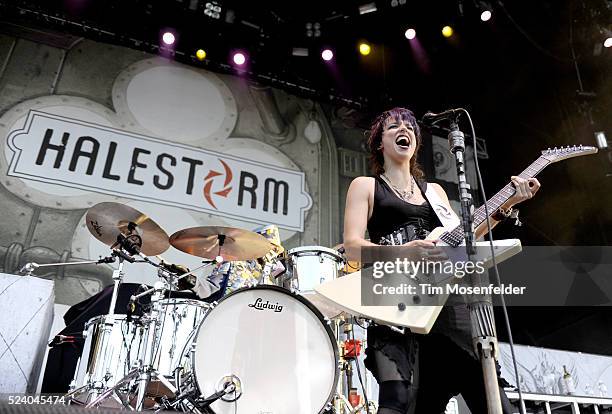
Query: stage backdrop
column 83, row 122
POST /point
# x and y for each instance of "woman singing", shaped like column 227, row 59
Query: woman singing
column 416, row 373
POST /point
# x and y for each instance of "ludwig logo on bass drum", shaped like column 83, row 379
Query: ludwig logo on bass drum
column 260, row 305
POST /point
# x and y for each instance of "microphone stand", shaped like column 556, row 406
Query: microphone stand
column 484, row 336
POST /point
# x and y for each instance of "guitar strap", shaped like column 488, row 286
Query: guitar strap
column 447, row 216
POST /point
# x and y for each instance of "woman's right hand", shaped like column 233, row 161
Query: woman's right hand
column 425, row 249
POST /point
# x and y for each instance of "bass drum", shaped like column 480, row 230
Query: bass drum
column 276, row 348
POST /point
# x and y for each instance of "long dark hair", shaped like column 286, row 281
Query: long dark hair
column 375, row 139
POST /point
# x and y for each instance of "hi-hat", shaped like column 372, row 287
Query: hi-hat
column 106, row 221
column 230, row 243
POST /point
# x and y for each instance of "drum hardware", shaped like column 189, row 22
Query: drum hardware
column 350, row 266
column 148, row 369
column 29, row 268
column 172, row 280
column 351, row 349
column 104, row 361
column 309, row 361
column 143, row 373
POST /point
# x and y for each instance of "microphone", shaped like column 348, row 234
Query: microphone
column 431, row 118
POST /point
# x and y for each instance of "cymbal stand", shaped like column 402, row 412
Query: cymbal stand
column 342, row 404
column 29, row 268
column 117, row 278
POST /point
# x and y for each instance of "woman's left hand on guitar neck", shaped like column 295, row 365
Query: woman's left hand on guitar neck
column 525, row 189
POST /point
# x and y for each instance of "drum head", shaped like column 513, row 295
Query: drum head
column 278, row 347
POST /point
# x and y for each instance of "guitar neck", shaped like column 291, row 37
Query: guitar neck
column 455, row 236
column 508, row 191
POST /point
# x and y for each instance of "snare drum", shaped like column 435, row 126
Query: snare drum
column 274, row 346
column 112, row 348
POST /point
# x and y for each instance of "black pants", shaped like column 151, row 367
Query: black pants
column 420, row 373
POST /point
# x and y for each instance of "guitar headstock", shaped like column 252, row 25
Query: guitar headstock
column 563, row 153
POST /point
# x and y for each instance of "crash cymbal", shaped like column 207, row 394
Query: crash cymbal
column 106, row 221
column 236, row 244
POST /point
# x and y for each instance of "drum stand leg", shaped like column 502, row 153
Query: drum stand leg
column 145, row 371
column 132, row 375
column 71, row 394
column 108, row 392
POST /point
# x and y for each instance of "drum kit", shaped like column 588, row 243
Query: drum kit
column 270, row 347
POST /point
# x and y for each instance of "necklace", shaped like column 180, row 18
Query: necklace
column 403, row 194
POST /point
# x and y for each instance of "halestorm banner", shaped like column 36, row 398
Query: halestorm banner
column 77, row 154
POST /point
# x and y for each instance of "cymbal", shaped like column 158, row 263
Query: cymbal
column 236, row 244
column 106, row 221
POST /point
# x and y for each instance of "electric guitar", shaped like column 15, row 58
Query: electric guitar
column 345, row 292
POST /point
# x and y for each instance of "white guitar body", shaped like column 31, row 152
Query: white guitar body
column 344, row 293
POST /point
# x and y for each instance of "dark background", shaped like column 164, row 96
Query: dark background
column 534, row 76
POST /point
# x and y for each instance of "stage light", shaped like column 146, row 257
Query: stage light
column 486, row 11
column 410, row 34
column 367, row 8
column 239, row 58
column 365, row 49
column 604, row 40
column 600, row 138
column 327, row 55
column 168, row 38
column 313, row 29
column 299, row 51
column 447, row 31
column 213, row 10
column 201, row 54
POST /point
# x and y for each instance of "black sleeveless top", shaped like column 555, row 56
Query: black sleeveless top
column 392, row 214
